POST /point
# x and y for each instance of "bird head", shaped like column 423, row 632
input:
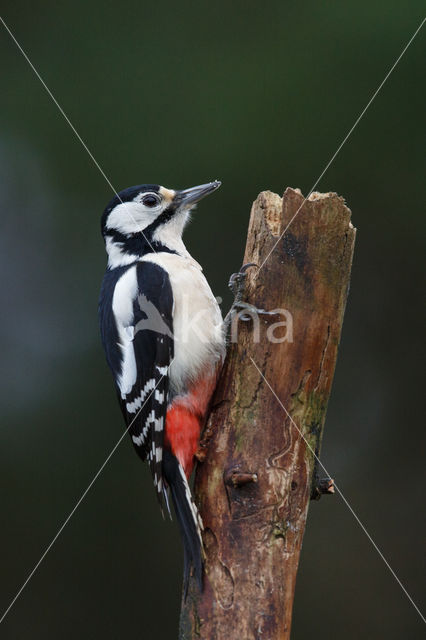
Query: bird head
column 147, row 217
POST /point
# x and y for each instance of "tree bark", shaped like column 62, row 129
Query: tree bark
column 254, row 486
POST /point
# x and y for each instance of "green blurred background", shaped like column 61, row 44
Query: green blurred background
column 259, row 95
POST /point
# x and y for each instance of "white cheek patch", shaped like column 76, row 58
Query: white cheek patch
column 131, row 217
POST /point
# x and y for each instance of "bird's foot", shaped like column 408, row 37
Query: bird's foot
column 241, row 310
column 322, row 486
column 237, row 281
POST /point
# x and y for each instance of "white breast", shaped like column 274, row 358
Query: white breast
column 197, row 320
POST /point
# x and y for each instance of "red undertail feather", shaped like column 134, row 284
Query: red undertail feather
column 182, row 435
column 184, row 420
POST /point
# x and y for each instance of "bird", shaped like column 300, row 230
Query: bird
column 163, row 336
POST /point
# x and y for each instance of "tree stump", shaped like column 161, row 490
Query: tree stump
column 267, row 418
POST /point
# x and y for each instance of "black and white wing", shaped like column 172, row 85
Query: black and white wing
column 137, row 333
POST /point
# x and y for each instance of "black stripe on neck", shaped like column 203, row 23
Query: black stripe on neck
column 137, row 243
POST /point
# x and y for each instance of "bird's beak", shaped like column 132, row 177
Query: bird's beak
column 189, row 197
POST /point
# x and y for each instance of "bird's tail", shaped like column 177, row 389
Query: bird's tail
column 189, row 520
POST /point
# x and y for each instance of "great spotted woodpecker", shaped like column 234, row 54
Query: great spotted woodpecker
column 163, row 336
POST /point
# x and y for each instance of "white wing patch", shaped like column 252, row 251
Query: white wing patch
column 139, row 440
column 125, row 293
column 162, row 370
column 159, row 397
column 155, row 453
column 132, row 407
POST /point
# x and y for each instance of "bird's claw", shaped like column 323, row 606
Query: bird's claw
column 237, row 280
column 322, row 486
column 245, row 311
column 251, row 310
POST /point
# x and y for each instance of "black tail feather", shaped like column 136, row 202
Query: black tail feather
column 187, row 517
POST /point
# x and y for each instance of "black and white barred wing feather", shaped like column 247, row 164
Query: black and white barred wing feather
column 142, row 304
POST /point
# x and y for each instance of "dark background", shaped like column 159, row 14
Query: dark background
column 259, row 95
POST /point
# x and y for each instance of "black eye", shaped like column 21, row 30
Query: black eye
column 150, row 200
